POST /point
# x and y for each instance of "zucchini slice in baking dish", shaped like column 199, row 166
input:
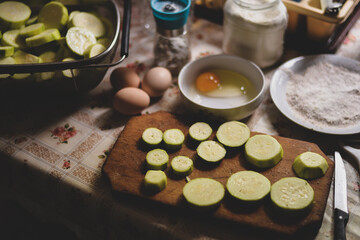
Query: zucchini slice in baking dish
column 13, row 14
column 54, row 15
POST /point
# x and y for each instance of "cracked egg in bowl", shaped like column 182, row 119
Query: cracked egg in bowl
column 223, row 87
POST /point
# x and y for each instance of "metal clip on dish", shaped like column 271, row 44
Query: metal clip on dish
column 94, row 62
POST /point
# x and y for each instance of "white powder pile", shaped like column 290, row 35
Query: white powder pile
column 325, row 95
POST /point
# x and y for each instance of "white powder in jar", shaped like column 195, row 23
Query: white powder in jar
column 325, row 95
column 254, row 30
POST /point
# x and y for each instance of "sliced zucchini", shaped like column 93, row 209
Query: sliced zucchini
column 54, row 15
column 155, row 180
column 94, row 50
column 13, row 14
column 173, row 138
column 6, row 60
column 200, row 131
column 32, row 30
column 109, row 27
column 46, row 57
column 203, row 193
column 292, row 194
column 6, row 51
column 79, row 40
column 182, row 165
column 211, row 151
column 263, row 151
column 31, row 20
column 152, row 136
column 157, row 159
column 71, row 15
column 49, row 56
column 22, row 57
column 233, row 133
column 104, row 41
column 70, row 72
column 90, row 22
column 47, row 36
column 13, row 38
column 248, row 186
column 310, row 165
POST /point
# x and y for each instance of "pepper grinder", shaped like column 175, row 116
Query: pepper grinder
column 172, row 42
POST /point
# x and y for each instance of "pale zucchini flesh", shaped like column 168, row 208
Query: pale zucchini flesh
column 6, row 51
column 233, row 133
column 13, row 38
column 157, row 159
column 248, row 186
column 32, row 30
column 32, row 33
column 22, row 57
column 90, row 22
column 13, row 14
column 6, row 60
column 211, row 151
column 70, row 73
column 79, row 40
column 182, row 165
column 47, row 36
column 310, row 165
column 54, row 15
column 49, row 56
column 263, row 151
column 155, row 180
column 31, row 20
column 94, row 50
column 200, row 131
column 292, row 194
column 152, row 136
column 173, row 138
column 203, row 192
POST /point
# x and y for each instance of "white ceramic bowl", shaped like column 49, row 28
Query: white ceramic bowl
column 215, row 107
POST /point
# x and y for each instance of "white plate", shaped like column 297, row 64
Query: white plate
column 299, row 65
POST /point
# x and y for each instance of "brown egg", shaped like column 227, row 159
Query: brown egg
column 156, row 81
column 130, row 100
column 124, row 77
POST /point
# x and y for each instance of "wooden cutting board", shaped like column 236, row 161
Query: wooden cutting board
column 125, row 169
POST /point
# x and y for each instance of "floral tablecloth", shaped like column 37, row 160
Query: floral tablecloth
column 52, row 153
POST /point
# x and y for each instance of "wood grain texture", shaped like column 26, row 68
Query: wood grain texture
column 125, row 169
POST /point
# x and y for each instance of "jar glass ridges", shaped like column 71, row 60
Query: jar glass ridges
column 254, row 29
column 171, row 45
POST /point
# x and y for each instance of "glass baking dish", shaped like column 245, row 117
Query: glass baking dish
column 91, row 70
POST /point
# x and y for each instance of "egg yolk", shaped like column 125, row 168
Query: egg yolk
column 207, row 82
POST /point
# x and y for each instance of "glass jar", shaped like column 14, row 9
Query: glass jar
column 172, row 48
column 254, row 30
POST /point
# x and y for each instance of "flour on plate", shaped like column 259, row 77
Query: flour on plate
column 325, row 95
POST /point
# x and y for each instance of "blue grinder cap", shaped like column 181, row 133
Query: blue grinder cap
column 170, row 14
